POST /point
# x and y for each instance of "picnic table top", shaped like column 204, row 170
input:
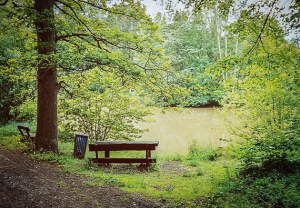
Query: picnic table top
column 127, row 142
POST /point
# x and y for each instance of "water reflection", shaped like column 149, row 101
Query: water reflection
column 176, row 131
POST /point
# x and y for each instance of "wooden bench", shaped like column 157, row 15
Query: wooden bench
column 26, row 135
column 123, row 146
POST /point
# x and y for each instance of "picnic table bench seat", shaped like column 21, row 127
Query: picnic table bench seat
column 107, row 146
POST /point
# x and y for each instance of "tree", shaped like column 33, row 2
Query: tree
column 103, row 107
column 46, row 132
column 264, row 95
column 76, row 36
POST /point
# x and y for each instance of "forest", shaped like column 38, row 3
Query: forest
column 100, row 67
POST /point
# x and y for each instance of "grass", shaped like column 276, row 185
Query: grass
column 171, row 187
column 200, row 178
column 203, row 178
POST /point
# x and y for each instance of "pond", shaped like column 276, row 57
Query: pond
column 176, row 131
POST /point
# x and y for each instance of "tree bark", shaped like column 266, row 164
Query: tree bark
column 218, row 32
column 46, row 133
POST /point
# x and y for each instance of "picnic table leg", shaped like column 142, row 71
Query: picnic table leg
column 107, row 153
column 107, row 156
column 148, row 155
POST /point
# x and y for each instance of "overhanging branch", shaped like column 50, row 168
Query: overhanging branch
column 4, row 3
column 260, row 33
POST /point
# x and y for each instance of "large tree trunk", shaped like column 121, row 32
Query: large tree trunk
column 46, row 133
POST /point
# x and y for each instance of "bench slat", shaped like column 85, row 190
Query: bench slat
column 123, row 160
column 116, row 146
column 126, row 142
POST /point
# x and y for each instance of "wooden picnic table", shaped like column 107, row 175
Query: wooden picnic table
column 108, row 146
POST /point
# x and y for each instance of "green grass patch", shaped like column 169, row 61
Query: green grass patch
column 10, row 129
column 12, row 142
column 10, row 136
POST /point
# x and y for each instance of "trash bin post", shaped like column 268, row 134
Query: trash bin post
column 80, row 145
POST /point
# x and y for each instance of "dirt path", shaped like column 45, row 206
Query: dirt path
column 25, row 182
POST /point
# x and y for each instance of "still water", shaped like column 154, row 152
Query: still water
column 176, row 131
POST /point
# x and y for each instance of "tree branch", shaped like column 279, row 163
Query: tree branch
column 72, row 35
column 260, row 34
column 63, row 85
column 75, row 17
column 4, row 3
column 109, row 10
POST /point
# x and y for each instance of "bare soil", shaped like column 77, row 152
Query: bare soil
column 25, row 182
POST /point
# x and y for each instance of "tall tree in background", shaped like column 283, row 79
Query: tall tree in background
column 286, row 12
column 195, row 41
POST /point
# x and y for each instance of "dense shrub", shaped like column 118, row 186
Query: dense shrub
column 275, row 190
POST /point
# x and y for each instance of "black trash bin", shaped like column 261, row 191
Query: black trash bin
column 80, row 145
